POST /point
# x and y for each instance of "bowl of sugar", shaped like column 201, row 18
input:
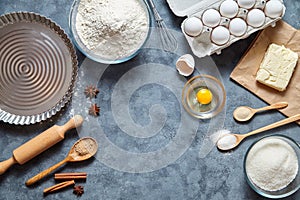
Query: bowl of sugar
column 109, row 32
column 271, row 166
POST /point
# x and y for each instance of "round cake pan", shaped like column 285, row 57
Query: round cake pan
column 38, row 68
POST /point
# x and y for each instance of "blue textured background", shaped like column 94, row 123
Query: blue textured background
column 218, row 176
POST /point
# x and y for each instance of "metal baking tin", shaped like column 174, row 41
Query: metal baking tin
column 38, row 68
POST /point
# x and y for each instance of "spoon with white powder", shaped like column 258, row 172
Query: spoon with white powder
column 229, row 141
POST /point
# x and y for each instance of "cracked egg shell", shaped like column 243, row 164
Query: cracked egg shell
column 185, row 64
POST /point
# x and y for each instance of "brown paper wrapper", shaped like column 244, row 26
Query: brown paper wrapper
column 245, row 72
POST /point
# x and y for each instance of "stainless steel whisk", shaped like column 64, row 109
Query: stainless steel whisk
column 168, row 40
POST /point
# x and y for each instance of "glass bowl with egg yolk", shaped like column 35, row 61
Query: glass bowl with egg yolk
column 203, row 96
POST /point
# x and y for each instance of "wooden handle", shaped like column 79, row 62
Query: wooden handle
column 4, row 165
column 45, row 140
column 74, row 122
column 273, row 106
column 45, row 172
column 275, row 125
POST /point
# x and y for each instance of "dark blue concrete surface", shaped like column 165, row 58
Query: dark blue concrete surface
column 217, row 176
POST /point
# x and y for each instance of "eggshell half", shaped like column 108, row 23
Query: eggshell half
column 185, row 64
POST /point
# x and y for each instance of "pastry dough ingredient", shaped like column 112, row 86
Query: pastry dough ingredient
column 229, row 8
column 211, row 17
column 204, row 96
column 112, row 29
column 220, row 35
column 256, row 18
column 237, row 27
column 193, row 26
column 273, row 8
column 246, row 3
column 272, row 164
column 277, row 67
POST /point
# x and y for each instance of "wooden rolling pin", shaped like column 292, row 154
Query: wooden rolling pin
column 40, row 143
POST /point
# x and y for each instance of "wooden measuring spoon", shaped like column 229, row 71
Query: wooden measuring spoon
column 229, row 141
column 244, row 113
column 83, row 149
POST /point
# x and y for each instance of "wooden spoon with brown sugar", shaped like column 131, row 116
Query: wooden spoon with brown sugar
column 83, row 149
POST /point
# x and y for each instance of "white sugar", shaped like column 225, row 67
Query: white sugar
column 272, row 164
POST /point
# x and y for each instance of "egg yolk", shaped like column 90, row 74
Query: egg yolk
column 204, row 96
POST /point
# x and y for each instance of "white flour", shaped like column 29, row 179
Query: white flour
column 112, row 29
column 272, row 164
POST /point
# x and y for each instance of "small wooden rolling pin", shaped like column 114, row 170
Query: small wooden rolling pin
column 40, row 143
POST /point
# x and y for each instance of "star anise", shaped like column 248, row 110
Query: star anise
column 78, row 190
column 91, row 91
column 94, row 110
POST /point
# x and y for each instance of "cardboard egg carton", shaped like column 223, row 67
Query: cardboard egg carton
column 203, row 44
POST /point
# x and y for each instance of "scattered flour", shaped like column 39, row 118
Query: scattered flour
column 272, row 164
column 112, row 29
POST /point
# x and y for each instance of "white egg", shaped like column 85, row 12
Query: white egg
column 193, row 26
column 237, row 27
column 211, row 17
column 246, row 3
column 220, row 35
column 229, row 8
column 274, row 8
column 256, row 18
column 185, row 65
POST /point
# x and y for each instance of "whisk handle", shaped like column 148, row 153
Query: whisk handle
column 152, row 4
column 155, row 12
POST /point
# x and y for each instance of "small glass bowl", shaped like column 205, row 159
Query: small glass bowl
column 189, row 98
column 292, row 187
column 96, row 57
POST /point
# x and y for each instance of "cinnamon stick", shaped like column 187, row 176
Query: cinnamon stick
column 59, row 186
column 70, row 176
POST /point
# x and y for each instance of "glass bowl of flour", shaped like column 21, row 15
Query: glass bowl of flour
column 109, row 31
column 271, row 166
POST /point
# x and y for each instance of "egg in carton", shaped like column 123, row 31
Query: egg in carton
column 212, row 25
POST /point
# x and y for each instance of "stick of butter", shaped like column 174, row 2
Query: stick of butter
column 277, row 67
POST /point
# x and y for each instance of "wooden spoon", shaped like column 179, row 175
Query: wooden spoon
column 40, row 143
column 244, row 113
column 230, row 141
column 83, row 149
